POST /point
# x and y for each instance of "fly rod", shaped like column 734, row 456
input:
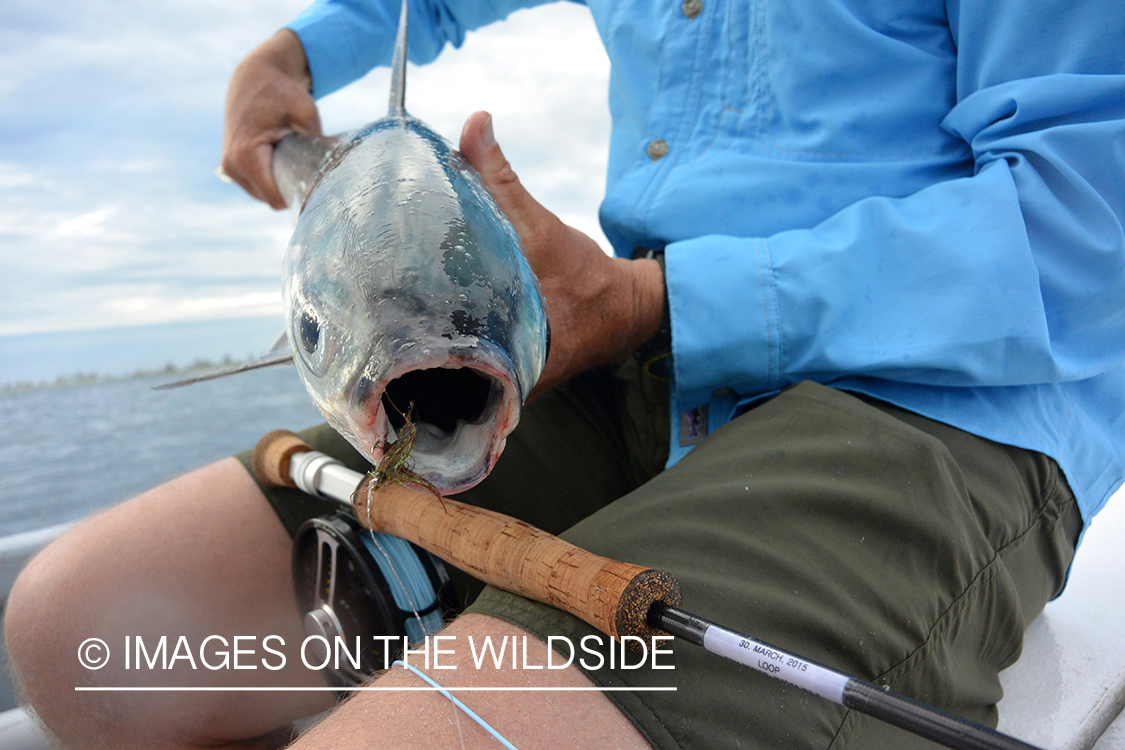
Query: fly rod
column 617, row 598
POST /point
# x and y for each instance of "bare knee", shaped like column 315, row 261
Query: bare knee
column 41, row 621
column 201, row 555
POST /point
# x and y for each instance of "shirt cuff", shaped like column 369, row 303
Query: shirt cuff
column 725, row 328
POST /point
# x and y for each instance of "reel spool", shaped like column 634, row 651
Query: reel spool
column 351, row 582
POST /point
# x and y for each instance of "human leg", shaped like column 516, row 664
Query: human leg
column 207, row 555
column 576, row 449
column 202, row 555
column 869, row 539
column 535, row 715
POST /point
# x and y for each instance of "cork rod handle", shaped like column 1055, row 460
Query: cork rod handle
column 613, row 596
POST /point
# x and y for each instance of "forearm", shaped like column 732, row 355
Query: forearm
column 344, row 39
column 1007, row 277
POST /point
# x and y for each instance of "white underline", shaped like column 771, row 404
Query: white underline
column 189, row 689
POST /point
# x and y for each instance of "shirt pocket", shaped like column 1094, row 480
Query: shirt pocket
column 840, row 80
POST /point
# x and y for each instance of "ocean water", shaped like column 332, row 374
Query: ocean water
column 70, row 450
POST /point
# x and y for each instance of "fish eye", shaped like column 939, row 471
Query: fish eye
column 311, row 340
column 310, row 332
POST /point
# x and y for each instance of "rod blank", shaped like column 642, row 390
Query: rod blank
column 881, row 703
column 616, row 598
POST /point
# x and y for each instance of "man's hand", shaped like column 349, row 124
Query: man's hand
column 601, row 308
column 267, row 100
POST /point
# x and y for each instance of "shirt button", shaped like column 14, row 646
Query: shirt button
column 691, row 8
column 657, row 149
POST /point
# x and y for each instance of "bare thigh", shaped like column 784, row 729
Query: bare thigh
column 203, row 555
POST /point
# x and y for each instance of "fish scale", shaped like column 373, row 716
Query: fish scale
column 405, row 284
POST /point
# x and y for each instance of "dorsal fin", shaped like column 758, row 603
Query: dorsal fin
column 398, row 69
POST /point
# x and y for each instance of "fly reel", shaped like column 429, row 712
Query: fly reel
column 353, row 583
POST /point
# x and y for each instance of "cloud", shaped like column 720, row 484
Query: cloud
column 543, row 75
column 110, row 127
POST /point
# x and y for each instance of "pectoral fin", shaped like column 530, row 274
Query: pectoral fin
column 279, row 354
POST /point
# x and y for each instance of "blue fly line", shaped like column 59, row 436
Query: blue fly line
column 468, row 711
column 408, row 582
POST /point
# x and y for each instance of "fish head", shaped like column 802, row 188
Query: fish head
column 407, row 296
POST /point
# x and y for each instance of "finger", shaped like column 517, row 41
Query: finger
column 249, row 166
column 304, row 120
column 305, row 115
column 480, row 149
column 262, row 178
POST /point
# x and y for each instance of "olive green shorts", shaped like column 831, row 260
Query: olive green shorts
column 847, row 531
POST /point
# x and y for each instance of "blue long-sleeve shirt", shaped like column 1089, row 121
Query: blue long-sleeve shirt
column 920, row 201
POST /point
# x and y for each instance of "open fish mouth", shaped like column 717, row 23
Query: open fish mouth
column 462, row 411
column 407, row 295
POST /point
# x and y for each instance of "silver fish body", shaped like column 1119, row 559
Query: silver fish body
column 406, row 292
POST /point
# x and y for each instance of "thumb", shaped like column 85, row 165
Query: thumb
column 479, row 147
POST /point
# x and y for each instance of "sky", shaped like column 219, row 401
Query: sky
column 112, row 218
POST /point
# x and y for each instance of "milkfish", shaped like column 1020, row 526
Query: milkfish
column 406, row 294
